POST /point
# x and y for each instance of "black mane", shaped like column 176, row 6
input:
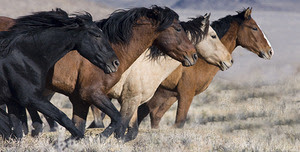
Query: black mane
column 118, row 27
column 222, row 25
column 193, row 27
column 37, row 22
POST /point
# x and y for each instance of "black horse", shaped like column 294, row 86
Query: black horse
column 32, row 46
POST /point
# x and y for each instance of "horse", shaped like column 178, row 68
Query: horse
column 184, row 83
column 130, row 33
column 5, row 24
column 140, row 81
column 32, row 46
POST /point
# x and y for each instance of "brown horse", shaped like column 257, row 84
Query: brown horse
column 184, row 83
column 130, row 32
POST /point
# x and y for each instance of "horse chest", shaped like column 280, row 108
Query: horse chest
column 143, row 78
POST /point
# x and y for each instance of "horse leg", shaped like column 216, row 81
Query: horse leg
column 128, row 108
column 48, row 109
column 98, row 118
column 37, row 122
column 133, row 128
column 52, row 124
column 5, row 129
column 162, row 100
column 80, row 111
column 184, row 103
column 102, row 102
column 15, row 112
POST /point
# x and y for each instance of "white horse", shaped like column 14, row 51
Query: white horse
column 139, row 82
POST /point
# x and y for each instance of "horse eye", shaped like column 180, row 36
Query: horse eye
column 213, row 36
column 178, row 29
column 254, row 28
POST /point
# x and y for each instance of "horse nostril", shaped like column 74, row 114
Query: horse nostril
column 270, row 52
column 116, row 63
column 231, row 61
column 195, row 56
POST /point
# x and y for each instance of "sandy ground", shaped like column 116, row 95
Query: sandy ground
column 254, row 106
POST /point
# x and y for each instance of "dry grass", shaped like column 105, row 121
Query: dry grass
column 250, row 115
column 227, row 117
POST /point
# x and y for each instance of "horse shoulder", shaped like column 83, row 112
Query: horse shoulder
column 172, row 80
column 65, row 73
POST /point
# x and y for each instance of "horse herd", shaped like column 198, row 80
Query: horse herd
column 140, row 56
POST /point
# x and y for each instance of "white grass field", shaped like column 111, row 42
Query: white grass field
column 254, row 106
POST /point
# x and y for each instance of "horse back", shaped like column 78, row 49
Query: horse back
column 6, row 23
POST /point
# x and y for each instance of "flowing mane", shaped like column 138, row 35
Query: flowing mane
column 193, row 27
column 118, row 27
column 222, row 25
column 37, row 22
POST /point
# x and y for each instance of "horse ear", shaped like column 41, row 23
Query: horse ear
column 205, row 18
column 205, row 21
column 247, row 14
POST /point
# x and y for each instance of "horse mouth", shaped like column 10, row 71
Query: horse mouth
column 223, row 66
column 187, row 62
column 110, row 69
column 263, row 55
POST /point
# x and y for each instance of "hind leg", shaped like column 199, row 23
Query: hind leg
column 98, row 118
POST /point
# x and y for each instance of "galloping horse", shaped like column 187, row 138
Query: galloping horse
column 139, row 83
column 130, row 32
column 184, row 83
column 32, row 46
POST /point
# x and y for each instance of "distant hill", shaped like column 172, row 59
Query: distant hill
column 215, row 4
column 273, row 5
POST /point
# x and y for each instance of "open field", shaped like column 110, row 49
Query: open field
column 254, row 106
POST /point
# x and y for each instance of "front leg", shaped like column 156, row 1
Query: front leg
column 5, row 128
column 184, row 104
column 37, row 122
column 16, row 113
column 133, row 128
column 80, row 111
column 128, row 108
column 101, row 101
column 52, row 112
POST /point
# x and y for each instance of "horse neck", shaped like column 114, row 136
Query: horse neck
column 230, row 38
column 48, row 47
column 230, row 42
column 142, row 38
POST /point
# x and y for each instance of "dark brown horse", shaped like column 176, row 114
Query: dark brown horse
column 130, row 32
column 184, row 83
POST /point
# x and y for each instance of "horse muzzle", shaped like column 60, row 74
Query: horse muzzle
column 190, row 61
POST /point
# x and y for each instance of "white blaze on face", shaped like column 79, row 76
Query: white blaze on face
column 266, row 38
